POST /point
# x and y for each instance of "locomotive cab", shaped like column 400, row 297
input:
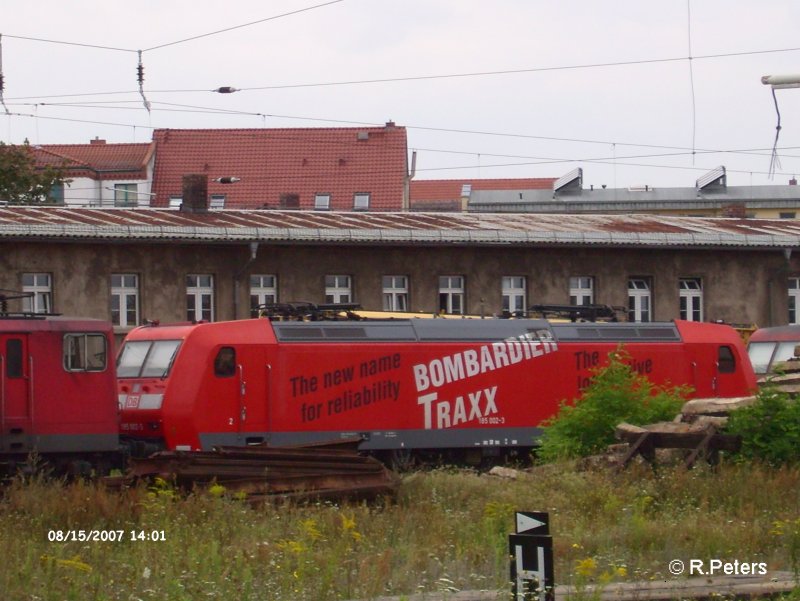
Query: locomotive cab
column 57, row 393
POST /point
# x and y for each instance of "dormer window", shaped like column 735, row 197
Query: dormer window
column 322, row 202
column 361, row 201
column 217, row 202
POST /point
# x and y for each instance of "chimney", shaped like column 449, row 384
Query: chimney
column 96, row 141
column 195, row 193
column 793, row 181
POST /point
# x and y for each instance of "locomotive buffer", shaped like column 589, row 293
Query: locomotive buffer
column 531, row 550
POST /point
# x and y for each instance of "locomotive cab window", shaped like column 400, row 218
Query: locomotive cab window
column 147, row 358
column 84, row 352
column 14, row 358
column 725, row 360
column 225, row 362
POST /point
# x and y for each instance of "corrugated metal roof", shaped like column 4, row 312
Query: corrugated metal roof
column 601, row 200
column 480, row 229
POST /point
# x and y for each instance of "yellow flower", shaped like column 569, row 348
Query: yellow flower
column 310, row 528
column 586, row 567
column 216, row 490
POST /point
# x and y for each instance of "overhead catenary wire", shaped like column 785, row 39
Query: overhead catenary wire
column 435, row 76
column 775, row 162
column 539, row 160
column 691, row 71
column 2, row 78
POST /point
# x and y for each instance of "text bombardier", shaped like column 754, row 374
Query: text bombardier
column 472, row 362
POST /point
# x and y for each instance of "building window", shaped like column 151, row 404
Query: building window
column 40, row 286
column 125, row 300
column 125, row 195
column 639, row 299
column 361, row 201
column 322, row 202
column 787, row 215
column 56, row 194
column 395, row 293
column 794, row 301
column 338, row 289
column 581, row 290
column 691, row 299
column 217, row 202
column 514, row 294
column 175, row 202
column 451, row 294
column 200, row 297
column 263, row 291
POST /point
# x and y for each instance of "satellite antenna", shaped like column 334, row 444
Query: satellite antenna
column 778, row 82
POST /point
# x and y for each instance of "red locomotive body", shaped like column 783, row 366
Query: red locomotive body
column 417, row 384
column 57, row 387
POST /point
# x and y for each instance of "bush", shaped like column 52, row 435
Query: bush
column 616, row 393
column 770, row 428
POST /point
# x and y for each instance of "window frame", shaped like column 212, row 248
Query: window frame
column 197, row 292
column 334, row 290
column 322, row 201
column 639, row 294
column 793, row 289
column 452, row 294
column 260, row 292
column 690, row 295
column 123, row 191
column 358, row 201
column 578, row 287
column 123, row 291
column 395, row 292
column 42, row 293
column 84, row 350
column 514, row 291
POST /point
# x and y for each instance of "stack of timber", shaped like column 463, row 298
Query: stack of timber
column 786, row 377
column 259, row 473
column 697, row 431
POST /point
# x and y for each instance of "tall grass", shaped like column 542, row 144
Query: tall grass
column 447, row 530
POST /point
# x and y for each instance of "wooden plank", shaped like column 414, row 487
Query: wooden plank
column 711, row 587
column 716, row 406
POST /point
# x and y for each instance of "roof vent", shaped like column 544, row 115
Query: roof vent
column 715, row 178
column 97, row 141
column 640, row 188
column 362, row 136
column 570, row 182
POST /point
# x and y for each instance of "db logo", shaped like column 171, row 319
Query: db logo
column 132, row 402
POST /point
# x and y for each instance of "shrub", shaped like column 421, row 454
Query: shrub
column 616, row 393
column 770, row 428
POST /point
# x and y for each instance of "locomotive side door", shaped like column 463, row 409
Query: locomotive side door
column 238, row 380
column 15, row 393
column 727, row 377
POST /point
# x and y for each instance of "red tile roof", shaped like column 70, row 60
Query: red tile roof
column 275, row 162
column 97, row 160
column 444, row 190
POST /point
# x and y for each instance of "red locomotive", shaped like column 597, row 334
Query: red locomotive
column 57, row 389
column 480, row 387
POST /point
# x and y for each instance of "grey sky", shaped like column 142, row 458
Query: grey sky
column 632, row 111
